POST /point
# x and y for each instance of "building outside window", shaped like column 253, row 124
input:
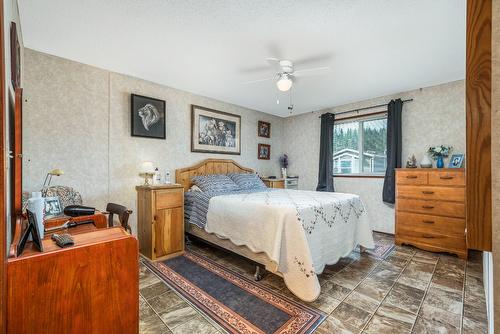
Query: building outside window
column 362, row 138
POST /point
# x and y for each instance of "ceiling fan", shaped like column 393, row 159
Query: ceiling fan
column 286, row 75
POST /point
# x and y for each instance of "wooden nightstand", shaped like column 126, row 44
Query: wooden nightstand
column 274, row 183
column 160, row 220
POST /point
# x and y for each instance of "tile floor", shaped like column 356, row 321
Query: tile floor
column 411, row 291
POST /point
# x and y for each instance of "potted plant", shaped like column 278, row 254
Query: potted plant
column 284, row 165
column 438, row 152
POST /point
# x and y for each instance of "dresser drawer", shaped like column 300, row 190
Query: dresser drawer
column 456, row 194
column 447, row 178
column 454, row 227
column 169, row 199
column 431, row 207
column 410, row 177
column 443, row 242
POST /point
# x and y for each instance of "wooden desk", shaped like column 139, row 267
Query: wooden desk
column 99, row 218
column 92, row 287
column 100, row 221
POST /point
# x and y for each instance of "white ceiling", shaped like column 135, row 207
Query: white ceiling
column 373, row 47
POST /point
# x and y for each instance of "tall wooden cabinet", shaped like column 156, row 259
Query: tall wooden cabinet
column 478, row 125
column 160, row 220
column 430, row 209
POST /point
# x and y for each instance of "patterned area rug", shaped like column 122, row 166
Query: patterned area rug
column 382, row 249
column 236, row 303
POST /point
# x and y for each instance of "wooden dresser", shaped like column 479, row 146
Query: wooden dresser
column 274, row 183
column 91, row 287
column 160, row 220
column 430, row 209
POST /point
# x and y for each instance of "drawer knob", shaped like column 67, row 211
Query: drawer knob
column 411, row 177
column 427, row 192
column 427, row 221
column 427, row 207
column 446, row 177
column 428, row 236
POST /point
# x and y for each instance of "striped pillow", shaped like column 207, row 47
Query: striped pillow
column 215, row 182
column 247, row 181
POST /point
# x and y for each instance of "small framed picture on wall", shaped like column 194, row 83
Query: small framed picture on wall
column 264, row 129
column 264, row 151
column 148, row 117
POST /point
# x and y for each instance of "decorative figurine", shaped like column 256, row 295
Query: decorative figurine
column 411, row 162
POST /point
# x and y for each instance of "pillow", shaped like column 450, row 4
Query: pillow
column 247, row 181
column 216, row 182
column 194, row 187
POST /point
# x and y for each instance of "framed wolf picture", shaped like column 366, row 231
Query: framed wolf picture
column 214, row 131
column 148, row 117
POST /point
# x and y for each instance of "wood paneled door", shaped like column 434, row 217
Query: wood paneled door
column 478, row 120
column 3, row 186
column 17, row 154
column 168, row 234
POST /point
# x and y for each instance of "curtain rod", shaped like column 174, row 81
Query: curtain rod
column 365, row 108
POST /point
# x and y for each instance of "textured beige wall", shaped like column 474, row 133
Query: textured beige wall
column 495, row 151
column 436, row 116
column 77, row 118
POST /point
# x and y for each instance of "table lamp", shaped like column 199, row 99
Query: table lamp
column 147, row 171
column 48, row 178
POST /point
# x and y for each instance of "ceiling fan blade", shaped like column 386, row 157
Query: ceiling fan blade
column 311, row 71
column 274, row 63
column 256, row 81
column 322, row 58
column 256, row 69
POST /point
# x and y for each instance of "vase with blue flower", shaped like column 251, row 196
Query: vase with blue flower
column 438, row 153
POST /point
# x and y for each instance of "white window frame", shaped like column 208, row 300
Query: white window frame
column 360, row 120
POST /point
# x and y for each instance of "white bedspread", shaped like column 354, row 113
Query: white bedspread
column 302, row 231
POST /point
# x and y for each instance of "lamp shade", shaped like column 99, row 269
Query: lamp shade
column 284, row 83
column 57, row 172
column 147, row 167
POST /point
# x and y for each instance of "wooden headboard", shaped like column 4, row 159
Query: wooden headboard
column 207, row 167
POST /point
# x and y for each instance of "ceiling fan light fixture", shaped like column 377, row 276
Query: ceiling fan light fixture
column 284, row 83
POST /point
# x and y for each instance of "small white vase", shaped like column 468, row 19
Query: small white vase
column 283, row 173
column 426, row 162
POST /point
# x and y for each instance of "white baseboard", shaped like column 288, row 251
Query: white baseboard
column 488, row 288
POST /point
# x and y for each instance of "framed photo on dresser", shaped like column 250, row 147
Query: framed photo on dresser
column 456, row 161
column 214, row 131
column 148, row 117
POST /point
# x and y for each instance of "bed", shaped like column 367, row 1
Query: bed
column 292, row 233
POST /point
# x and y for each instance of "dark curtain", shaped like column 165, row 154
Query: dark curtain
column 325, row 175
column 394, row 143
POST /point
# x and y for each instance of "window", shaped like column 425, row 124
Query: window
column 360, row 146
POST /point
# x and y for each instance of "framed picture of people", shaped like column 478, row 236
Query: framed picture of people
column 264, row 129
column 456, row 161
column 264, row 152
column 214, row 131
